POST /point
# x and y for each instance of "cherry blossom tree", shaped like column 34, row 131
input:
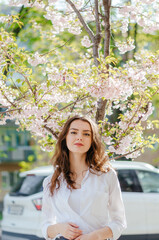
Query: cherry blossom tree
column 96, row 85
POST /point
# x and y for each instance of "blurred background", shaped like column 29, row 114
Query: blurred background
column 18, row 150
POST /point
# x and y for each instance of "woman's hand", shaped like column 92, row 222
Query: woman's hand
column 103, row 233
column 89, row 236
column 70, row 230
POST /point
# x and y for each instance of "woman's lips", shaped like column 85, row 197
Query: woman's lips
column 78, row 144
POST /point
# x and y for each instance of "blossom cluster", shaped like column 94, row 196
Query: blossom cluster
column 37, row 59
column 86, row 42
column 125, row 46
column 67, row 91
column 142, row 13
column 42, row 107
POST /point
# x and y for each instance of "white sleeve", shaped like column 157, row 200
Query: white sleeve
column 48, row 217
column 116, row 207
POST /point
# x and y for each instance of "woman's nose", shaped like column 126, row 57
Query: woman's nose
column 79, row 137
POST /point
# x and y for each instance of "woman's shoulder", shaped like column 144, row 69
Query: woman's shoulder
column 47, row 181
column 109, row 173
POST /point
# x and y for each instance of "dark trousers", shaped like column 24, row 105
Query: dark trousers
column 61, row 238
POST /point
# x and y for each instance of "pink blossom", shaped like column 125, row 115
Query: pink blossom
column 111, row 149
column 59, row 22
column 75, row 29
column 123, row 125
column 52, row 2
column 19, row 3
column 124, row 11
column 79, row 3
column 148, row 113
column 133, row 155
column 39, row 4
column 141, row 21
column 89, row 16
column 124, row 27
column 125, row 46
column 37, row 59
column 86, row 42
column 108, row 140
column 148, row 1
column 112, row 88
column 124, row 145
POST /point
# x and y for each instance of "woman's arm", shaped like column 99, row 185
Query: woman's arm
column 67, row 230
column 50, row 228
column 48, row 217
column 116, row 209
column 100, row 234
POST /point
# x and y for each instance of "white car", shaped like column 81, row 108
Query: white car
column 140, row 188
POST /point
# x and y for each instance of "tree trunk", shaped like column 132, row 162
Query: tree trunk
column 100, row 114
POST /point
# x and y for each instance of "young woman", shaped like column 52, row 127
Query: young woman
column 82, row 198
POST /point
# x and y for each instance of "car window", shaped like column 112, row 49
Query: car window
column 128, row 181
column 28, row 185
column 149, row 181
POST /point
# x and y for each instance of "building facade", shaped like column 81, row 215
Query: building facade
column 15, row 146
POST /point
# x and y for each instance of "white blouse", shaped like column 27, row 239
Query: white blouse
column 74, row 200
column 101, row 204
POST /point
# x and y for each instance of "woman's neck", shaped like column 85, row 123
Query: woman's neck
column 77, row 162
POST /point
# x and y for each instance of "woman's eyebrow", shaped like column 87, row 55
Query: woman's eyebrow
column 78, row 130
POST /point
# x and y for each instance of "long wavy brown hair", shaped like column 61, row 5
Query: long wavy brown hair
column 96, row 159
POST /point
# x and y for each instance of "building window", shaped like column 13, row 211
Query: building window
column 20, row 140
column 6, row 140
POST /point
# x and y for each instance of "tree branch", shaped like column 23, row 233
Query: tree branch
column 74, row 102
column 8, row 99
column 5, row 72
column 98, row 34
column 137, row 149
column 124, row 131
column 71, row 110
column 45, row 94
column 100, row 114
column 11, row 110
column 116, row 7
column 51, row 131
column 85, row 25
column 26, row 80
column 70, row 104
column 57, row 47
column 98, row 30
column 140, row 118
column 107, row 5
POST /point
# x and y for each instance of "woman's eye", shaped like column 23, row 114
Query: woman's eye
column 86, row 134
column 73, row 132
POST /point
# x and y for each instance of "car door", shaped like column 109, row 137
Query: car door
column 134, row 205
column 150, row 185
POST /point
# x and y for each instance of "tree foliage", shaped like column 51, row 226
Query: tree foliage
column 41, row 88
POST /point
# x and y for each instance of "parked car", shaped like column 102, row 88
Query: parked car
column 140, row 189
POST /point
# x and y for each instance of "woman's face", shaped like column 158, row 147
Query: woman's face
column 79, row 137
